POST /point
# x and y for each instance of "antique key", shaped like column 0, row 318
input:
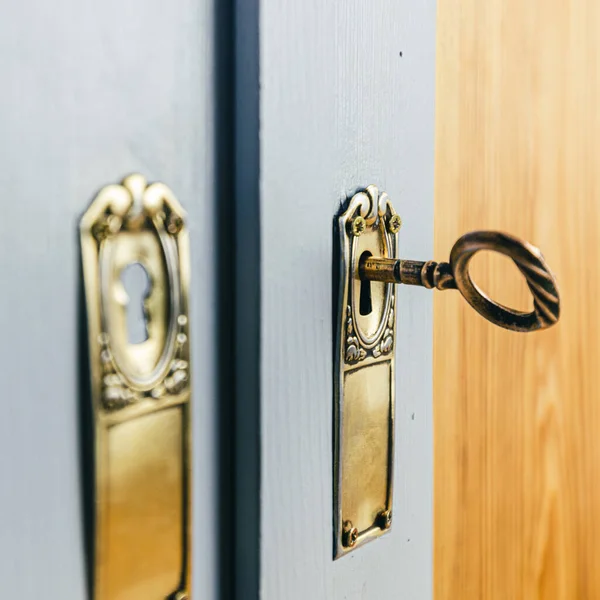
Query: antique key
column 455, row 275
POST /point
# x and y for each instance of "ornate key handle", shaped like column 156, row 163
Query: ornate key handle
column 455, row 275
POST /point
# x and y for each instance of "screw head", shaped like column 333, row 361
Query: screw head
column 384, row 519
column 100, row 230
column 394, row 223
column 349, row 535
column 358, row 226
column 175, row 224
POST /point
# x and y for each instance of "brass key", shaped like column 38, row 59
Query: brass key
column 455, row 275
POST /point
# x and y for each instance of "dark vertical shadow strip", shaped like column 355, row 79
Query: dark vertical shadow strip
column 247, row 309
column 225, row 211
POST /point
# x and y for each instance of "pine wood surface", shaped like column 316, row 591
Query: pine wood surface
column 517, row 461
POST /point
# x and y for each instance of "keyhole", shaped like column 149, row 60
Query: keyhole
column 137, row 284
column 365, row 304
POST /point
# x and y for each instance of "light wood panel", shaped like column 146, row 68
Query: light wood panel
column 517, row 499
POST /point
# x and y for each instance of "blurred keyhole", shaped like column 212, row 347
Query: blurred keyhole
column 137, row 284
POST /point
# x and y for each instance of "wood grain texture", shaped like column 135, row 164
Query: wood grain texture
column 517, row 498
column 340, row 109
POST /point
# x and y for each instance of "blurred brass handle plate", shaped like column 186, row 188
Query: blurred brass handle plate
column 365, row 362
column 140, row 393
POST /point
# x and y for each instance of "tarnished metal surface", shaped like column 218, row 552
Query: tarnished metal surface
column 455, row 275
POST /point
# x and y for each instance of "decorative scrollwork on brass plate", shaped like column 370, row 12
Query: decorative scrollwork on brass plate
column 140, row 391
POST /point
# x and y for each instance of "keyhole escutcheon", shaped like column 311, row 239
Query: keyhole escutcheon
column 138, row 286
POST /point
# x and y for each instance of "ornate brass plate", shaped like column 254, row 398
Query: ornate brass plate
column 364, row 378
column 364, row 382
column 140, row 392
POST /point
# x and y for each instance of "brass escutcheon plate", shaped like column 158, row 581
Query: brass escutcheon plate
column 140, row 393
column 364, row 376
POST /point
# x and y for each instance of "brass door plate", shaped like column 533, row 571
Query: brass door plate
column 364, row 378
column 140, row 392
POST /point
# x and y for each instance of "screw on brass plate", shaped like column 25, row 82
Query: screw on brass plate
column 394, row 223
column 384, row 519
column 100, row 231
column 181, row 596
column 175, row 224
column 358, row 226
column 105, row 227
column 349, row 535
